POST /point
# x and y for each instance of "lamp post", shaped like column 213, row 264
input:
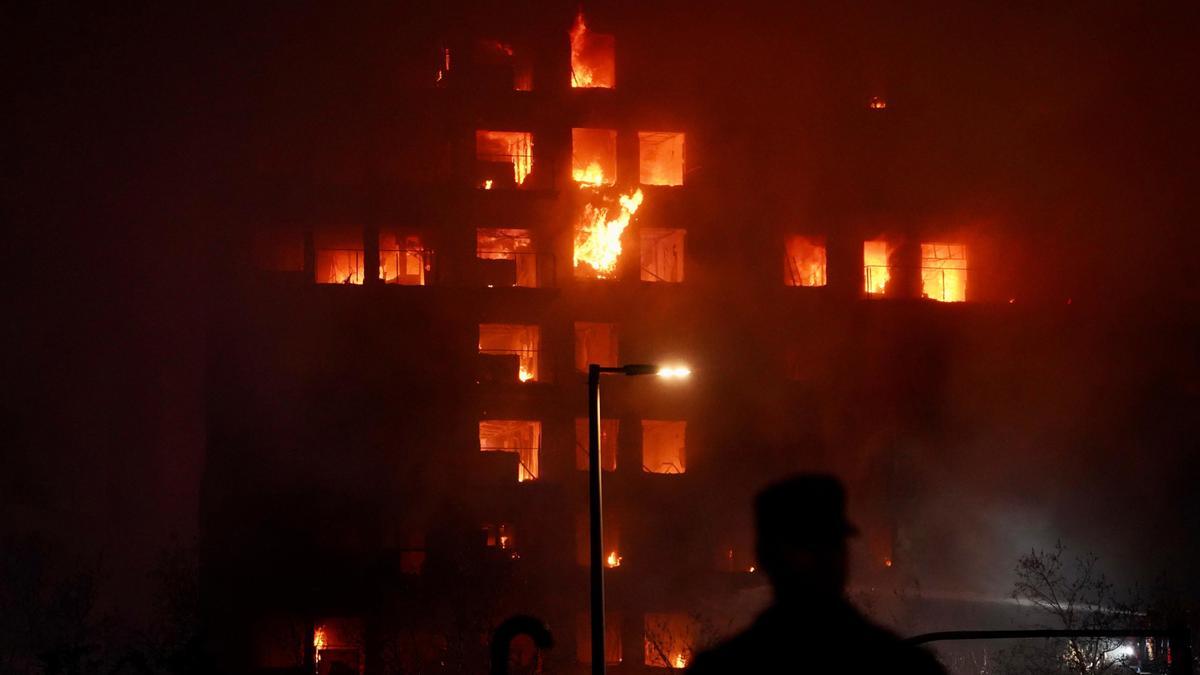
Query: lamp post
column 595, row 498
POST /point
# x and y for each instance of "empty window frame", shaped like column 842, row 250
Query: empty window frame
column 609, row 430
column 500, row 243
column 660, row 158
column 944, row 272
column 664, row 446
column 593, row 57
column 804, row 261
column 594, row 157
column 877, row 270
column 521, row 437
column 612, row 637
column 662, row 254
column 519, row 342
column 501, row 62
column 505, row 158
column 670, row 639
column 403, row 259
column 612, row 540
column 338, row 641
column 595, row 343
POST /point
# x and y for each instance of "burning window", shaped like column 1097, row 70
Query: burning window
column 499, row 535
column 511, row 258
column 516, row 346
column 612, row 637
column 944, row 272
column 505, row 158
column 595, row 343
column 598, row 238
column 670, row 639
column 403, row 259
column 521, row 437
column 339, row 256
column 593, row 157
column 661, row 158
column 608, row 444
column 338, row 641
column 593, row 57
column 877, row 270
column 612, row 540
column 662, row 254
column 805, row 261
column 663, row 446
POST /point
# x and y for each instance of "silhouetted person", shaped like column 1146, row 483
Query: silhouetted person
column 517, row 646
column 801, row 530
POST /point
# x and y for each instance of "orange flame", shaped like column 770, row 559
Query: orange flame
column 613, row 560
column 319, row 642
column 593, row 176
column 591, row 57
column 598, row 239
column 876, row 272
column 680, row 662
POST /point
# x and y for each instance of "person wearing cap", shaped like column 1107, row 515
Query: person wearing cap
column 801, row 530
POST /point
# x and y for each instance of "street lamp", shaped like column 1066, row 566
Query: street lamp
column 595, row 500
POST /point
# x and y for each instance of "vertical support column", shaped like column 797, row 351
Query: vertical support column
column 595, row 507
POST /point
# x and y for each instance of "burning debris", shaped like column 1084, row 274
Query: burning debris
column 594, row 157
column 505, row 158
column 593, row 57
column 517, row 343
column 403, row 260
column 598, row 238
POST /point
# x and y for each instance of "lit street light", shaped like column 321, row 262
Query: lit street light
column 595, row 499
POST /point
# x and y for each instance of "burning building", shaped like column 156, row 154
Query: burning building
column 397, row 427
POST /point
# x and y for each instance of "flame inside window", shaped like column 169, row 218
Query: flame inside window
column 608, row 444
column 662, row 254
column 522, row 437
column 670, row 639
column 593, row 157
column 593, row 57
column 518, row 341
column 339, row 258
column 598, row 237
column 499, row 535
column 944, row 272
column 338, row 641
column 805, row 261
column 660, row 158
column 877, row 271
column 612, row 540
column 505, row 157
column 403, row 260
column 664, row 448
column 510, row 244
column 612, row 637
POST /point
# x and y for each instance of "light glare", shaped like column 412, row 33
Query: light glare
column 674, row 371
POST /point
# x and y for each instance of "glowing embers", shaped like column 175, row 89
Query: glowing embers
column 944, row 272
column 612, row 540
column 804, row 261
column 664, row 447
column 877, row 271
column 612, row 637
column 514, row 351
column 660, row 158
column 338, row 645
column 598, row 236
column 505, row 158
column 499, row 535
column 593, row 157
column 609, row 430
column 670, row 639
column 403, row 260
column 595, row 343
column 497, row 244
column 593, row 57
column 662, row 254
column 520, row 437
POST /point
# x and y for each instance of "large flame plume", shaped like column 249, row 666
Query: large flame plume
column 598, row 238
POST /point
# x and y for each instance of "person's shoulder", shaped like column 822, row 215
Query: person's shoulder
column 723, row 658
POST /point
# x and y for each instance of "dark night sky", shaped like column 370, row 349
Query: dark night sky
column 132, row 124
